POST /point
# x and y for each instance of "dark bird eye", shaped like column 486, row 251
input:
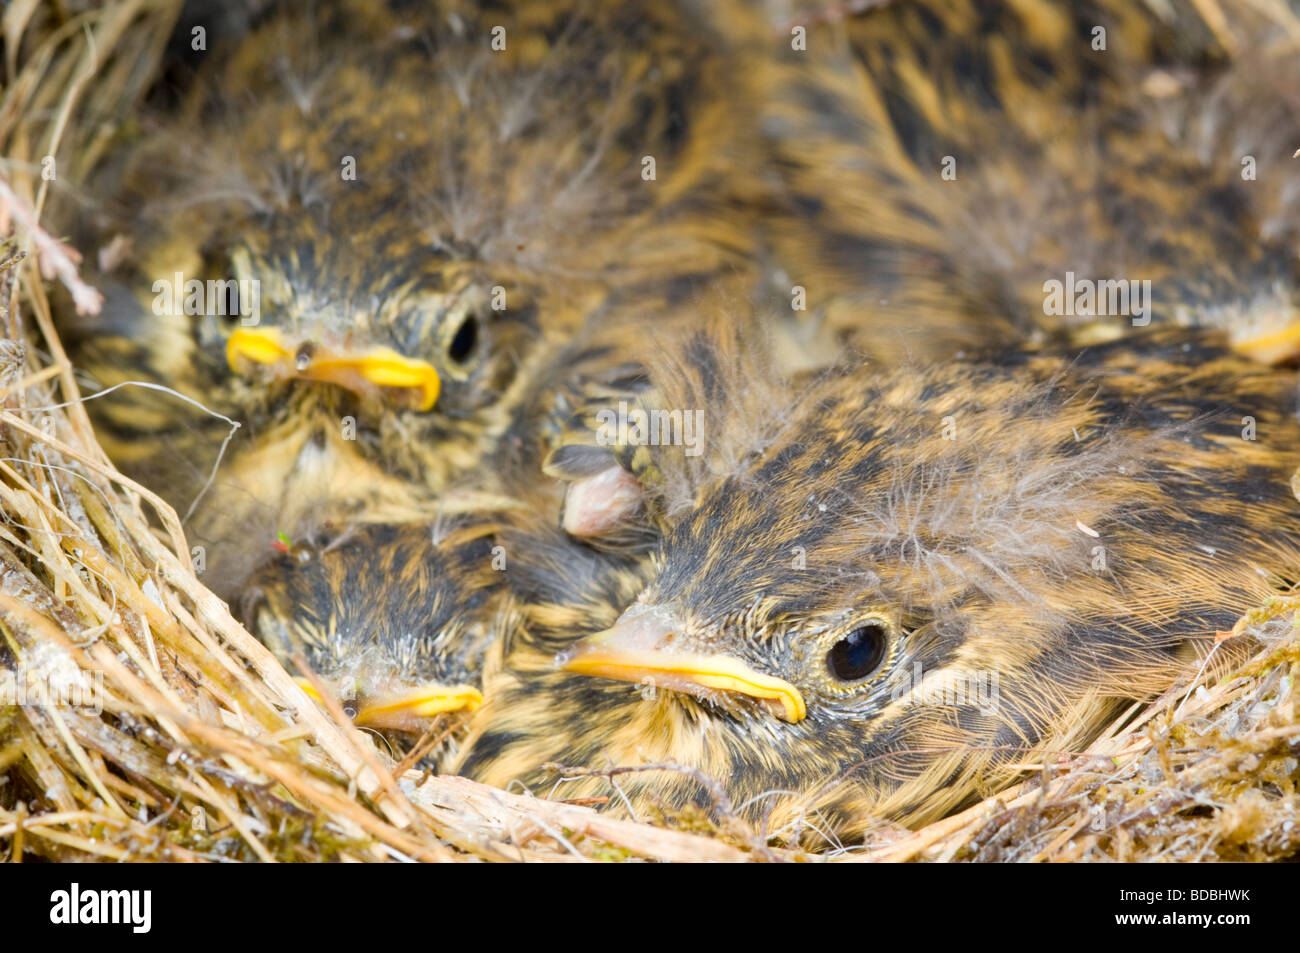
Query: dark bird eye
column 859, row 653
column 462, row 344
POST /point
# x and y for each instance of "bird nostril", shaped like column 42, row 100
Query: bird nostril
column 302, row 358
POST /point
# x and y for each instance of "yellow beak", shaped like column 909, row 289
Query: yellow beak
column 408, row 711
column 1271, row 348
column 380, row 367
column 638, row 649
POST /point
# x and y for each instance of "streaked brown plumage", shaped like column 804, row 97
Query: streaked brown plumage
column 1046, row 535
column 396, row 621
column 1084, row 531
column 943, row 159
column 503, row 206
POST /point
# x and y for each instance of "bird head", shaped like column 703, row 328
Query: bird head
column 443, row 343
column 288, row 273
column 394, row 621
column 414, row 214
column 920, row 579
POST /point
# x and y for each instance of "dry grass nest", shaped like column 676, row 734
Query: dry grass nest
column 140, row 721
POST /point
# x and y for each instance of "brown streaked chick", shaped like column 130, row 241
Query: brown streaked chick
column 396, row 218
column 396, row 621
column 945, row 160
column 911, row 582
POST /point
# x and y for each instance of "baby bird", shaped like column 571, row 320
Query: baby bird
column 885, row 591
column 397, row 218
column 396, row 621
column 968, row 174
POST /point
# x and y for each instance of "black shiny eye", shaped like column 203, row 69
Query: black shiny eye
column 466, row 337
column 859, row 653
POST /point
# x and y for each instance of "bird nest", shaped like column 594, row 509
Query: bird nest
column 140, row 721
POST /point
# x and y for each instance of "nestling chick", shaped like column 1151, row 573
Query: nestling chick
column 945, row 160
column 905, row 584
column 396, row 621
column 412, row 211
